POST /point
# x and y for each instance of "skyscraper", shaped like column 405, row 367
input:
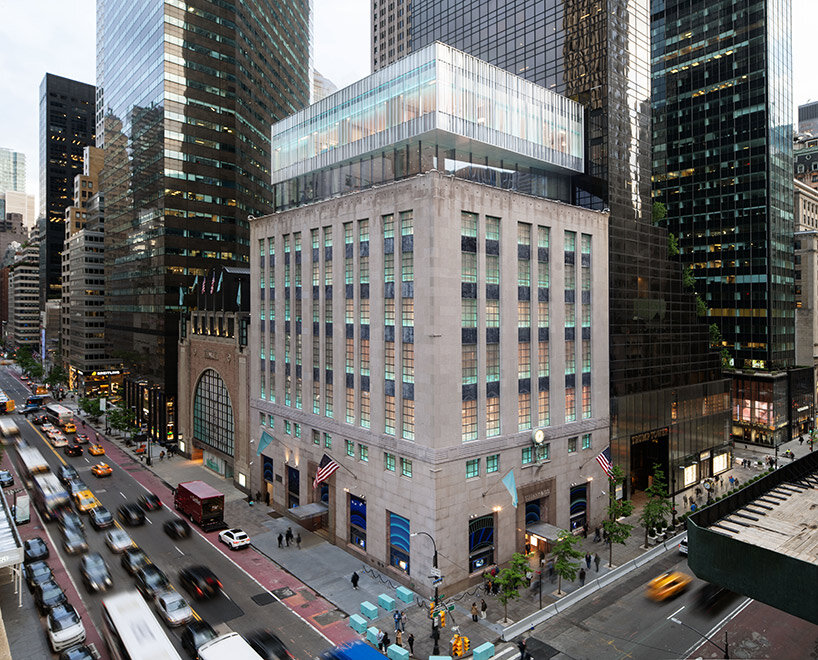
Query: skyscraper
column 597, row 52
column 66, row 128
column 723, row 166
column 187, row 94
column 12, row 171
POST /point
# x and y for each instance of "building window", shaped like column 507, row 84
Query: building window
column 492, row 313
column 288, row 427
column 523, row 360
column 572, row 445
column 481, row 543
column 492, row 463
column 528, row 455
column 350, row 447
column 492, row 416
column 469, row 359
column 262, row 419
column 544, row 408
column 399, row 538
column 524, row 411
column 213, row 413
column 357, row 522
column 406, row 467
column 297, row 428
column 327, row 441
column 473, row 468
column 389, row 417
column 570, row 404
column 408, row 419
column 389, row 461
column 363, row 453
column 523, row 313
column 350, row 407
column 469, row 420
column 365, row 409
column 586, row 402
column 586, row 441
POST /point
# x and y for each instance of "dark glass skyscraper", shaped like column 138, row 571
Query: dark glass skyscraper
column 66, row 128
column 187, row 94
column 597, row 52
column 722, row 158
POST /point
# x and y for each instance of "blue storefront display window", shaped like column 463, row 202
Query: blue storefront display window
column 267, row 469
column 357, row 522
column 399, row 542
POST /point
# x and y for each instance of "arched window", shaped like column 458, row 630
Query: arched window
column 212, row 413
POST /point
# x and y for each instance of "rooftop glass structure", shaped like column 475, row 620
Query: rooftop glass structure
column 438, row 108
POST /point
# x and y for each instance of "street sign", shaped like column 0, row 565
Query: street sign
column 437, row 580
column 450, row 607
column 435, row 572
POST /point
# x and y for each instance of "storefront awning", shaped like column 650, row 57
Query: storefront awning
column 311, row 510
column 548, row 532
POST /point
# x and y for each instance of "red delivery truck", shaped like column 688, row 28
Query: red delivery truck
column 201, row 503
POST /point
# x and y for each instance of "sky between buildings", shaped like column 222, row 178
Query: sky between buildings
column 58, row 36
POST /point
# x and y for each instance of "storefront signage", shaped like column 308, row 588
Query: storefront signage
column 650, row 436
column 545, row 492
column 106, row 373
column 803, row 408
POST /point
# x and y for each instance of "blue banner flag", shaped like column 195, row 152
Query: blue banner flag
column 511, row 486
column 266, row 439
column 181, row 296
column 238, row 296
column 221, row 277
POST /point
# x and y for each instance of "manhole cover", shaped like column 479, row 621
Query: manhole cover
column 262, row 599
column 274, row 514
column 284, row 592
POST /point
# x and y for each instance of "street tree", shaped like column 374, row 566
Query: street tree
column 510, row 579
column 122, row 419
column 90, row 406
column 616, row 530
column 564, row 553
column 658, row 506
column 56, row 377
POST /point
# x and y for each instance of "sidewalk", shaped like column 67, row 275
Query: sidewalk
column 326, row 568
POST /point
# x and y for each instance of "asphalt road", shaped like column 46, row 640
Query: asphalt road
column 235, row 610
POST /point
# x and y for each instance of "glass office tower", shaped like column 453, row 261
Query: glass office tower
column 661, row 366
column 66, row 128
column 187, row 94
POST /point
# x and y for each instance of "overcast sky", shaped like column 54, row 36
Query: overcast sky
column 57, row 36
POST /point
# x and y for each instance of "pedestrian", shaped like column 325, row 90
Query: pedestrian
column 411, row 641
column 488, row 586
column 528, row 576
column 588, row 560
column 521, row 646
column 288, row 536
column 581, row 577
column 585, row 531
column 800, row 439
column 380, row 637
column 495, row 588
column 396, row 617
column 527, row 547
column 403, row 620
column 354, row 579
column 483, row 608
column 596, row 561
column 597, row 537
column 399, row 638
column 386, row 641
column 542, row 556
column 162, row 455
column 474, row 612
column 298, row 540
column 551, row 575
column 280, row 539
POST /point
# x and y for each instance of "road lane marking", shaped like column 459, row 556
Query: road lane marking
column 123, row 495
column 179, row 551
column 676, row 612
column 738, row 610
column 148, row 520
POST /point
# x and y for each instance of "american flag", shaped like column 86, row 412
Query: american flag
column 213, row 283
column 204, row 282
column 604, row 459
column 326, row 468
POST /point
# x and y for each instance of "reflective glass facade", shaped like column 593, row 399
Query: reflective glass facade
column 188, row 91
column 722, row 140
column 66, row 128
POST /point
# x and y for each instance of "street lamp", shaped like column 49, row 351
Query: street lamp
column 435, row 633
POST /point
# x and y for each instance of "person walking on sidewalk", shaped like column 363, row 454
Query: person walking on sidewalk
column 596, row 561
column 581, row 577
column 411, row 641
column 588, row 560
column 379, row 637
column 386, row 641
column 403, row 620
column 521, row 646
column 396, row 616
column 483, row 608
column 354, row 579
column 474, row 612
column 298, row 540
column 280, row 539
column 288, row 536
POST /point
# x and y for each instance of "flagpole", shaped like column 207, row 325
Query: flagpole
column 499, row 482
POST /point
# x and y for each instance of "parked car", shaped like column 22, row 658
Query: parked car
column 234, row 538
column 173, row 608
column 79, row 652
column 74, row 541
column 133, row 559
column 6, row 478
column 72, row 449
column 47, row 595
column 268, row 645
column 35, row 549
column 65, row 473
column 150, row 502
column 176, row 528
column 118, row 540
column 683, row 546
column 150, row 580
column 36, row 573
column 194, row 635
column 96, row 450
column 95, row 572
column 200, row 582
column 65, row 628
column 100, row 517
column 102, row 470
column 131, row 515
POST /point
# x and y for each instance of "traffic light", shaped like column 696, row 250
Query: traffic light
column 457, row 646
column 465, row 641
column 431, row 610
column 443, row 619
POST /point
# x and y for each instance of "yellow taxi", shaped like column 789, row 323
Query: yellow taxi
column 69, row 427
column 102, row 470
column 668, row 585
column 96, row 450
column 84, row 501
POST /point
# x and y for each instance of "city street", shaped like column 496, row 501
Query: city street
column 244, row 606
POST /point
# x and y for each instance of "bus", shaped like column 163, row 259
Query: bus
column 9, row 431
column 59, row 415
column 49, row 495
column 353, row 651
column 131, row 630
column 227, row 647
column 32, row 463
column 6, row 404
